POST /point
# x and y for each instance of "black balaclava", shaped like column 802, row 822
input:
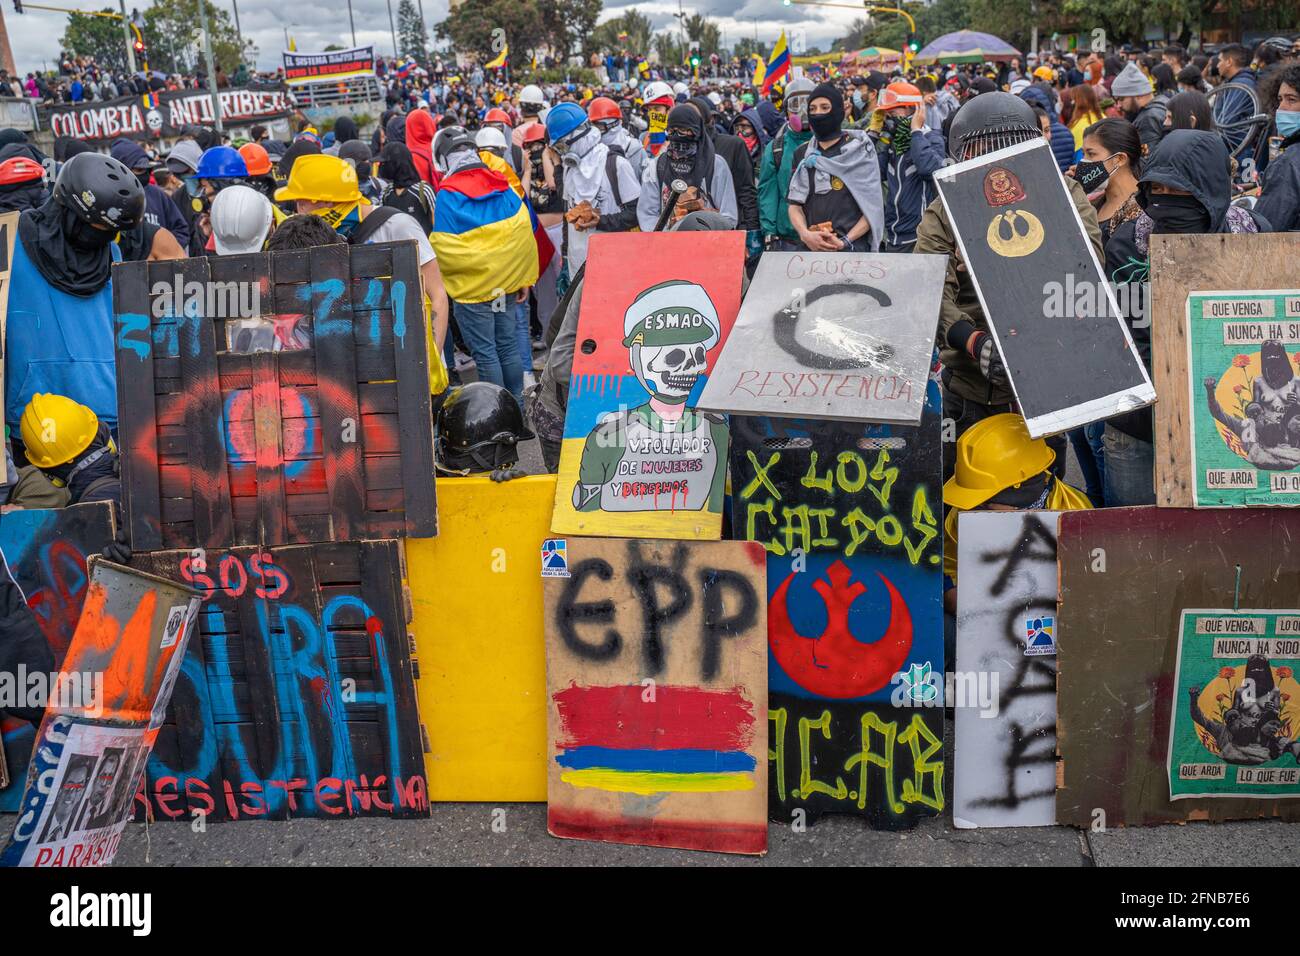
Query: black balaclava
column 1177, row 214
column 345, row 129
column 70, row 254
column 827, row 125
column 397, row 166
column 688, row 158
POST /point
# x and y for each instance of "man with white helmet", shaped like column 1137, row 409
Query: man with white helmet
column 492, row 141
column 658, row 99
column 242, row 220
column 661, row 454
column 681, row 91
column 531, row 104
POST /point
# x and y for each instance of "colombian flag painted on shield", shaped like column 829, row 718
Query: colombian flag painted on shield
column 778, row 65
column 483, row 236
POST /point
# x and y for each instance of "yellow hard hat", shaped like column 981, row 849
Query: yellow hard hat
column 993, row 455
column 320, row 178
column 56, row 429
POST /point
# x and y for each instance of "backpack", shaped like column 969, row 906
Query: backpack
column 371, row 225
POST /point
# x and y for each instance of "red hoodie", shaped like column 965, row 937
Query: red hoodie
column 420, row 128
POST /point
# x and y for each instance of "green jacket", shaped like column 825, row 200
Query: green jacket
column 774, row 184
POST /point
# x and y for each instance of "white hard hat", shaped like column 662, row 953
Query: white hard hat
column 657, row 90
column 532, row 94
column 241, row 219
column 679, row 87
column 490, row 138
column 715, row 98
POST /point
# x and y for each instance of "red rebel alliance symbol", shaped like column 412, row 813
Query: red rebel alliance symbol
column 836, row 664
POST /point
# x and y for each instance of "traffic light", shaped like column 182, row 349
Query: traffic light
column 913, row 44
column 695, row 60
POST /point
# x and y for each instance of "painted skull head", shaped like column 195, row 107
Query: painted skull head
column 670, row 371
column 669, row 330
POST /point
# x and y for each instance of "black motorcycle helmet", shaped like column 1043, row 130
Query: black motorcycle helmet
column 448, row 140
column 478, row 427
column 101, row 191
column 989, row 122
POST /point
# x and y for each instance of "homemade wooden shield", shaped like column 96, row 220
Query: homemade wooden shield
column 1004, row 743
column 832, row 335
column 1127, row 574
column 657, row 694
column 639, row 459
column 1067, row 350
column 297, row 699
column 8, row 233
column 1202, row 460
column 1236, row 705
column 849, row 516
column 102, row 718
column 478, row 627
column 274, row 398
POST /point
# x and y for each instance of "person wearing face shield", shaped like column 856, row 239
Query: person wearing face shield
column 974, row 379
column 600, row 188
column 606, row 116
column 1185, row 187
column 777, row 166
column 689, row 158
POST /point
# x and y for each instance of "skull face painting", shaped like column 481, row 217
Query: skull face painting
column 669, row 372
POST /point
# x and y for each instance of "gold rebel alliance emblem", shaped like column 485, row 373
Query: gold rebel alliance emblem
column 1026, row 233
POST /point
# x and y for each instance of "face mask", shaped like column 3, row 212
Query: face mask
column 824, row 125
column 902, row 134
column 681, row 152
column 87, row 238
column 750, row 141
column 1288, row 122
column 1092, row 175
column 795, row 121
column 858, row 101
column 1178, row 214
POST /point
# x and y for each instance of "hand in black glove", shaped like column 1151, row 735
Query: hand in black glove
column 985, row 351
column 119, row 549
column 507, row 472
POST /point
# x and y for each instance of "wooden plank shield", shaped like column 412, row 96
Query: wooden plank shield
column 832, row 335
column 849, row 515
column 639, row 459
column 656, row 678
column 1070, row 357
column 274, row 398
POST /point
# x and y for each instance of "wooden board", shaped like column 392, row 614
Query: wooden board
column 647, row 338
column 327, row 438
column 92, row 745
column 849, row 516
column 835, row 335
column 8, row 234
column 1181, row 265
column 1004, row 740
column 297, row 698
column 478, row 626
column 1021, row 238
column 1117, row 638
column 656, row 681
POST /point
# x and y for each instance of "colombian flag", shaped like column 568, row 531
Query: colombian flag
column 483, row 236
column 779, row 64
column 500, row 59
column 545, row 248
column 760, row 70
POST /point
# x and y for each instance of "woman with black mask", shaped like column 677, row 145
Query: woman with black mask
column 405, row 191
column 688, row 157
column 1112, row 158
column 1185, row 188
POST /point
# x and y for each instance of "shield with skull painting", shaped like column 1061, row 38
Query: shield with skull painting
column 638, row 458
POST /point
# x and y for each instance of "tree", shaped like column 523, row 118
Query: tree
column 669, row 48
column 705, row 32
column 471, row 27
column 100, row 37
column 411, row 39
column 171, row 33
column 568, row 23
column 631, row 32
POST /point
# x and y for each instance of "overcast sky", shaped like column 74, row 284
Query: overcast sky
column 34, row 36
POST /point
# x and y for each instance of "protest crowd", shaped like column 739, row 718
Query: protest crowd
column 507, row 189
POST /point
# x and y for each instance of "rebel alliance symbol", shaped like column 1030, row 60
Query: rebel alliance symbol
column 1019, row 243
column 836, row 664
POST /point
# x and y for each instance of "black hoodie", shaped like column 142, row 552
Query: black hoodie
column 735, row 154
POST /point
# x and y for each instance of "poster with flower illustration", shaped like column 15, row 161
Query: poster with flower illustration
column 1244, row 370
column 1235, row 717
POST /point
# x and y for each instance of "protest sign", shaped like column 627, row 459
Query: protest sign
column 832, row 335
column 274, row 398
column 302, row 67
column 1236, row 707
column 1127, row 575
column 1004, row 757
column 1068, row 353
column 102, row 718
column 163, row 114
column 639, row 459
column 656, row 683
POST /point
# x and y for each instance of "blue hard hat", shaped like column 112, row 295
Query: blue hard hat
column 563, row 119
column 221, row 162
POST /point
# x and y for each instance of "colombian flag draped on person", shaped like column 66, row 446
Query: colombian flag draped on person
column 778, row 65
column 545, row 248
column 483, row 235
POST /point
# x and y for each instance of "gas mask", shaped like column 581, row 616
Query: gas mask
column 669, row 372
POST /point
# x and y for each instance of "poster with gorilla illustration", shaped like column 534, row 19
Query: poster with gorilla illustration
column 639, row 459
column 1235, row 716
column 1243, row 358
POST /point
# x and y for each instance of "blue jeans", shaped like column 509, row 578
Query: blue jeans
column 493, row 340
column 1129, row 475
column 523, row 317
column 1087, row 442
